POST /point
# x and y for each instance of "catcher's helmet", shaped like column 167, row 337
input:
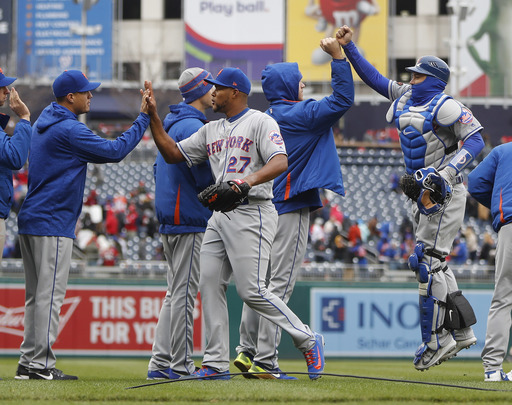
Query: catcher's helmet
column 431, row 66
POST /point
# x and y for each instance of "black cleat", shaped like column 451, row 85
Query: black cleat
column 22, row 373
column 50, row 374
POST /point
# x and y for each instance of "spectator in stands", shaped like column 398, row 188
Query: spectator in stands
column 472, row 208
column 459, row 253
column 111, row 222
column 341, row 250
column 61, row 148
column 374, row 233
column 488, row 249
column 131, row 221
column 13, row 149
column 354, row 234
column 183, row 223
column 471, row 243
column 316, row 232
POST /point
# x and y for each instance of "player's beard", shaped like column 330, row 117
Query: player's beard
column 219, row 107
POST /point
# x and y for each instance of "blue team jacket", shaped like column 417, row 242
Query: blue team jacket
column 490, row 183
column 177, row 207
column 306, row 127
column 13, row 155
column 61, row 147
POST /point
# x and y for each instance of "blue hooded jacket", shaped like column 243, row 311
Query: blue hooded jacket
column 306, row 127
column 13, row 155
column 177, row 206
column 490, row 183
column 61, row 147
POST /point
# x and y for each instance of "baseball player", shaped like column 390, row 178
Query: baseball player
column 431, row 124
column 182, row 224
column 61, row 147
column 490, row 184
column 306, row 127
column 13, row 149
column 247, row 149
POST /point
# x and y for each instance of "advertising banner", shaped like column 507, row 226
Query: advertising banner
column 95, row 320
column 5, row 32
column 381, row 322
column 247, row 34
column 309, row 21
column 485, row 49
column 50, row 38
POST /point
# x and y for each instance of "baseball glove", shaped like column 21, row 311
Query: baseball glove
column 222, row 197
column 409, row 186
column 428, row 189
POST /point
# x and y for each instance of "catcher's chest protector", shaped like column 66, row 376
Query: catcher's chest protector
column 422, row 143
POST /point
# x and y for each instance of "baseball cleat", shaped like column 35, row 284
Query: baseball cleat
column 244, row 362
column 207, row 373
column 460, row 345
column 315, row 357
column 22, row 373
column 425, row 357
column 164, row 374
column 50, row 374
column 270, row 373
column 497, row 375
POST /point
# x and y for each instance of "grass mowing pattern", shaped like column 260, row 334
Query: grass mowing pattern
column 105, row 381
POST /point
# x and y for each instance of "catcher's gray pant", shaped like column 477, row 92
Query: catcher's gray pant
column 499, row 320
column 438, row 232
column 238, row 243
column 174, row 341
column 46, row 260
column 259, row 336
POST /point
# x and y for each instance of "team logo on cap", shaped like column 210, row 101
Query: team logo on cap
column 466, row 117
column 276, row 138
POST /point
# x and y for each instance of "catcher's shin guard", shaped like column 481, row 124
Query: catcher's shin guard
column 431, row 308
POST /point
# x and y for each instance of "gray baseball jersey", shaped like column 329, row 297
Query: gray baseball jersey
column 236, row 148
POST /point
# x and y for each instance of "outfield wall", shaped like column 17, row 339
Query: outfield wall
column 118, row 318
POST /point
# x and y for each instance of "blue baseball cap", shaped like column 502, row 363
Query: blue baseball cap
column 72, row 81
column 234, row 78
column 4, row 80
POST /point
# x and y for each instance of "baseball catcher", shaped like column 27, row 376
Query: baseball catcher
column 225, row 196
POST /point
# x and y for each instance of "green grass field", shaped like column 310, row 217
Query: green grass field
column 105, row 381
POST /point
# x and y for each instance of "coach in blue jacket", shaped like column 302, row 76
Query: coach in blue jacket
column 183, row 221
column 313, row 163
column 13, row 149
column 490, row 183
column 61, row 147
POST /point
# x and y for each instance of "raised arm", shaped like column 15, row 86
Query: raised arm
column 165, row 144
column 364, row 69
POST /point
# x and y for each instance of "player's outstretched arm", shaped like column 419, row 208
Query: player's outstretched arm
column 364, row 69
column 164, row 143
column 274, row 167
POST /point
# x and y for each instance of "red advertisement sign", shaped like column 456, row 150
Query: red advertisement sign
column 105, row 320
